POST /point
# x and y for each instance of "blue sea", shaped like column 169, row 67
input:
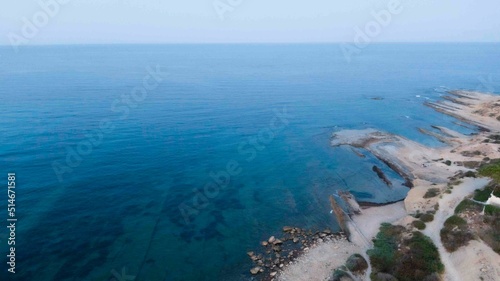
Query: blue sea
column 228, row 144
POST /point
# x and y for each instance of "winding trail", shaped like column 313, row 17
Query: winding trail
column 447, row 205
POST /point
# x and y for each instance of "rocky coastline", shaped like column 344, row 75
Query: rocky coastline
column 277, row 252
column 438, row 178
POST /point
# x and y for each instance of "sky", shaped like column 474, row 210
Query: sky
column 247, row 21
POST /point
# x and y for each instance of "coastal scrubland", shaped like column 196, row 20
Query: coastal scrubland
column 404, row 255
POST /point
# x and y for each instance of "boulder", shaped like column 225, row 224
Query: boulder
column 256, row 270
column 357, row 264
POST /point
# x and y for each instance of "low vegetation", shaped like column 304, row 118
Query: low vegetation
column 468, row 205
column 455, row 233
column 485, row 225
column 471, row 153
column 494, row 138
column 491, row 210
column 483, row 194
column 427, row 217
column 491, row 170
column 470, row 174
column 420, row 225
column 340, row 274
column 357, row 264
column 490, row 232
column 432, row 192
column 404, row 255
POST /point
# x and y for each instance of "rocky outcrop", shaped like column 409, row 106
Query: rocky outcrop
column 277, row 253
column 381, row 175
column 357, row 264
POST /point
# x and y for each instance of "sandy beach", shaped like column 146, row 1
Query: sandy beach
column 318, row 263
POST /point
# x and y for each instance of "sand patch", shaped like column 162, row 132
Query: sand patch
column 318, row 263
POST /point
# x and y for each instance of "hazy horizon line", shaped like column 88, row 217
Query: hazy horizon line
column 252, row 43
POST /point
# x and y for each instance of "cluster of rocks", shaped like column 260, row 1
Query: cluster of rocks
column 280, row 252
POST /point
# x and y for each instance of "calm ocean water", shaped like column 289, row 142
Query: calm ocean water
column 117, row 210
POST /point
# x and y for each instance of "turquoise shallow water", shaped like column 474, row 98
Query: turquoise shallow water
column 118, row 209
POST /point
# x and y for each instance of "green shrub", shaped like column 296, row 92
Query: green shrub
column 467, row 204
column 380, row 276
column 496, row 192
column 417, row 259
column 383, row 254
column 427, row 217
column 483, row 194
column 491, row 210
column 431, row 192
column 421, row 260
column 455, row 220
column 455, row 233
column 491, row 170
column 420, row 225
column 470, row 174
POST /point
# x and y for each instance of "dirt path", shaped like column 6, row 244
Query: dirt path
column 447, row 205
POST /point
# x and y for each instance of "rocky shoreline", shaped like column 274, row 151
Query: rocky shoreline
column 278, row 252
column 438, row 178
